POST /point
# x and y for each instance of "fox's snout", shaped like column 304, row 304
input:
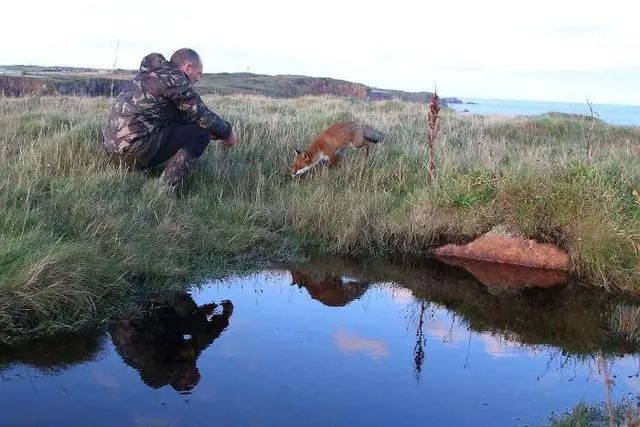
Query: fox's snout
column 298, row 172
column 300, row 163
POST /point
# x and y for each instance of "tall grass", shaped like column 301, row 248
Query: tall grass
column 80, row 237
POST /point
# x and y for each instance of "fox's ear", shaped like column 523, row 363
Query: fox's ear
column 298, row 151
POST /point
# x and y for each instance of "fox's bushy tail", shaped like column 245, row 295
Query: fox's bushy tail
column 371, row 135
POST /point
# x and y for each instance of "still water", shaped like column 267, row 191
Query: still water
column 331, row 342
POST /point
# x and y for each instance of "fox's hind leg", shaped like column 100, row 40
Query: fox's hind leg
column 333, row 159
column 367, row 136
column 358, row 140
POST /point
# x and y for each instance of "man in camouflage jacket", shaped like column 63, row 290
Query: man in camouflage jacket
column 159, row 117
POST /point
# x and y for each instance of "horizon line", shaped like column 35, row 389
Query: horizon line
column 460, row 97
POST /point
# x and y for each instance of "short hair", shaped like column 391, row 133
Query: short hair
column 185, row 55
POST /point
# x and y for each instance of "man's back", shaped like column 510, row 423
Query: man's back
column 159, row 96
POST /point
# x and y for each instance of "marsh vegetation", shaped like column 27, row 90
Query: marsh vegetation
column 82, row 240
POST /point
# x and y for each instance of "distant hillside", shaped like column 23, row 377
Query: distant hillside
column 18, row 80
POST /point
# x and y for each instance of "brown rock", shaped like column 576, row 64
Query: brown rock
column 507, row 249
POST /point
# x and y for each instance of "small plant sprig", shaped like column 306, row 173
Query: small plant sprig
column 113, row 70
column 592, row 116
column 608, row 384
column 432, row 133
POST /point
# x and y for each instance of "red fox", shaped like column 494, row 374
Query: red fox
column 327, row 145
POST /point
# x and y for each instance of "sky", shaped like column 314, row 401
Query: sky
column 567, row 51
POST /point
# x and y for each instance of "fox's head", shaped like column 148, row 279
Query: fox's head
column 301, row 163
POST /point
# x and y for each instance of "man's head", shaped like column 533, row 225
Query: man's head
column 188, row 61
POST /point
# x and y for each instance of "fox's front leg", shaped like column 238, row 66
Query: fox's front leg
column 333, row 159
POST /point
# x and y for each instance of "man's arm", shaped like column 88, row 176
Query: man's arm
column 231, row 139
column 187, row 100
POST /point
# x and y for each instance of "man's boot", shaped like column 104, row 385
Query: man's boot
column 177, row 168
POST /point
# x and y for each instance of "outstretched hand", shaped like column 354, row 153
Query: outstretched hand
column 231, row 139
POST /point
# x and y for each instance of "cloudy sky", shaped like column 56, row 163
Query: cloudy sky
column 543, row 50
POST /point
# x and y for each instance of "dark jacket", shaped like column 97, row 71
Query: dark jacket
column 157, row 97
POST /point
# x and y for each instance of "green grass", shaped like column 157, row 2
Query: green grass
column 82, row 240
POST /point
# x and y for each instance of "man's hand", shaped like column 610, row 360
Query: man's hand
column 231, row 139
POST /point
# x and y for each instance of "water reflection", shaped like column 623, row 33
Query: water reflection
column 574, row 318
column 508, row 276
column 348, row 342
column 312, row 344
column 164, row 344
column 324, row 285
column 52, row 355
column 418, row 349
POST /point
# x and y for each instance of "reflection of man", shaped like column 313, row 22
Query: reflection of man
column 165, row 344
column 330, row 290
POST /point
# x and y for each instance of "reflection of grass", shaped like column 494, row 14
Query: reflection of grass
column 78, row 236
column 583, row 415
column 577, row 319
column 626, row 322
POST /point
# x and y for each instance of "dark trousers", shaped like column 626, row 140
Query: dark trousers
column 192, row 138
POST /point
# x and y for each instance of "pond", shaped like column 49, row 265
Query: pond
column 331, row 342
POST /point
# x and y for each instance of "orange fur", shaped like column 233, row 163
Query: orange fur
column 327, row 145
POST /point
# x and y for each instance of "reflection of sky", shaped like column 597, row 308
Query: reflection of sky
column 288, row 360
column 349, row 343
column 399, row 295
column 147, row 420
column 454, row 334
column 105, row 379
column 498, row 365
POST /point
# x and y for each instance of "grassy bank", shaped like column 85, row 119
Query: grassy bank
column 80, row 239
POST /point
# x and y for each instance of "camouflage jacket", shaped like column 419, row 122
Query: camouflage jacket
column 158, row 96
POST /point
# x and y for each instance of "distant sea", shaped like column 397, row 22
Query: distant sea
column 613, row 114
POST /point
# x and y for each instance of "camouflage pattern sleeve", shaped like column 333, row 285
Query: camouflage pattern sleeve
column 158, row 97
column 186, row 99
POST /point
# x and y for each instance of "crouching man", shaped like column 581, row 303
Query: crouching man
column 158, row 117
